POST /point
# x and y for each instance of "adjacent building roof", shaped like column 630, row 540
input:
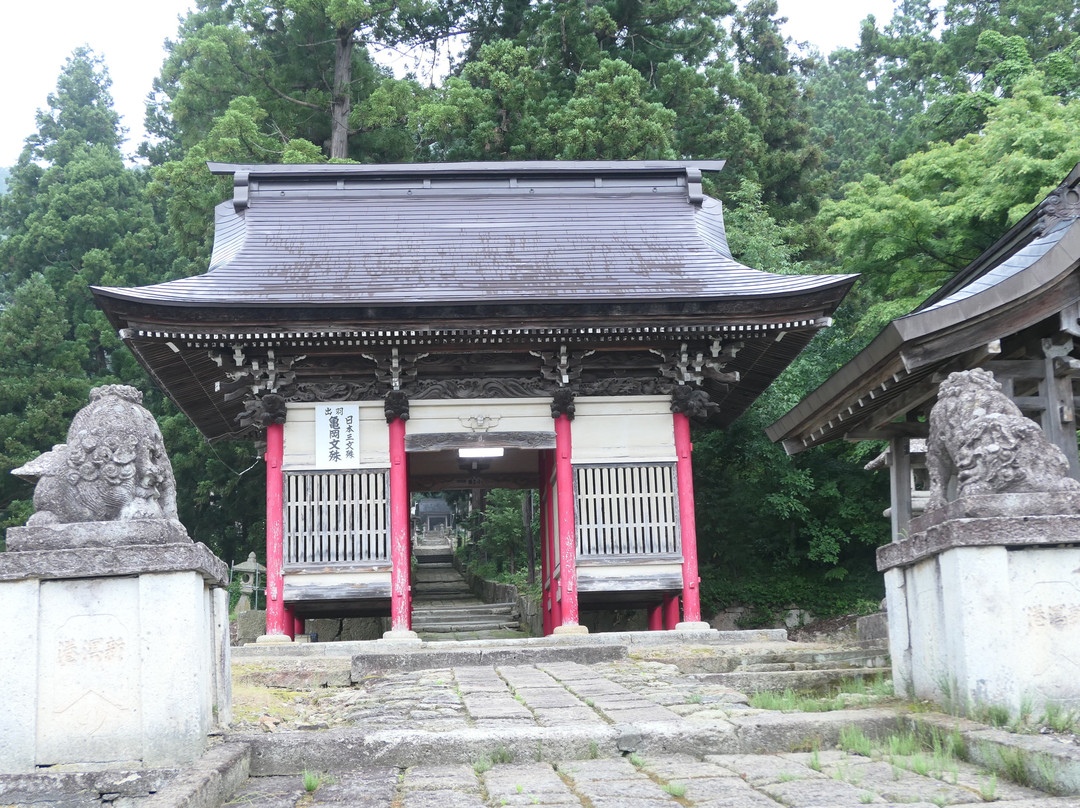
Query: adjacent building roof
column 1027, row 277
column 504, row 254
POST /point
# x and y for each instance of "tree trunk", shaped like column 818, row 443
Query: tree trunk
column 341, row 102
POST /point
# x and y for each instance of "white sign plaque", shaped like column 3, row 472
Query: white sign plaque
column 337, row 436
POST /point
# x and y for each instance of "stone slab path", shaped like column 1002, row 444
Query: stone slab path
column 543, row 695
column 616, row 734
column 799, row 780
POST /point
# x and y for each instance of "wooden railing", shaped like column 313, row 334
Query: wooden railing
column 337, row 517
column 626, row 510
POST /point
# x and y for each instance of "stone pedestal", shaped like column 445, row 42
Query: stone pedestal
column 984, row 604
column 118, row 650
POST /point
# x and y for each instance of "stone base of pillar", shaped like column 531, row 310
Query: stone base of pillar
column 570, row 630
column 120, row 656
column 980, row 604
column 401, row 635
column 693, row 626
column 273, row 639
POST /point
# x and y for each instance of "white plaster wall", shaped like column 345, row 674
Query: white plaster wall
column 512, row 414
column 114, row 671
column 373, row 436
column 988, row 625
column 623, row 429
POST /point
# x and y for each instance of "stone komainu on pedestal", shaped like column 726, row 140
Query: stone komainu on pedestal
column 113, row 466
column 985, row 591
column 980, row 439
column 120, row 655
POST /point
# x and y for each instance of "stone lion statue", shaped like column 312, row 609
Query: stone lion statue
column 113, row 466
column 979, row 437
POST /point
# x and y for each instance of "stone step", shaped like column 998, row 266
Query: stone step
column 436, row 582
column 443, row 593
column 438, row 572
column 458, row 616
column 423, row 560
column 757, row 681
column 479, row 610
column 455, row 612
column 462, row 617
column 808, row 665
column 465, row 627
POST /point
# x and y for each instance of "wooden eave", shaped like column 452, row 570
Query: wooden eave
column 179, row 358
column 335, row 261
column 901, row 368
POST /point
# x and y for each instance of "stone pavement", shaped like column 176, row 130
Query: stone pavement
column 543, row 695
column 800, row 780
column 633, row 731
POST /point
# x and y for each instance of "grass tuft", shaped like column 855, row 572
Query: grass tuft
column 312, row 780
column 852, row 739
column 675, row 789
column 502, row 754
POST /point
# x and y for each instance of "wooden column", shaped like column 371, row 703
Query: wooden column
column 564, row 472
column 553, row 547
column 688, row 527
column 1059, row 417
column 298, row 625
column 400, row 599
column 656, row 617
column 546, row 587
column 279, row 621
column 900, row 487
column 671, row 612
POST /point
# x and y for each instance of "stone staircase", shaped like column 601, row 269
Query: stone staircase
column 790, row 666
column 433, row 547
column 445, row 609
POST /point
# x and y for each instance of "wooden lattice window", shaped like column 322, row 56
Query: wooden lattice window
column 626, row 510
column 337, row 517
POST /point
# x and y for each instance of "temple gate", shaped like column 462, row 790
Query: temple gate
column 417, row 327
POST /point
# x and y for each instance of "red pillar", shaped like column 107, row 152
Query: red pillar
column 671, row 611
column 278, row 619
column 298, row 626
column 567, row 539
column 400, row 600
column 656, row 617
column 683, row 448
column 545, row 541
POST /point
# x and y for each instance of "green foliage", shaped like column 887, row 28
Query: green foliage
column 497, row 547
column 943, row 206
column 312, row 780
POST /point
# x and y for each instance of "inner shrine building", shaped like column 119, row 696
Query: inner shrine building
column 421, row 327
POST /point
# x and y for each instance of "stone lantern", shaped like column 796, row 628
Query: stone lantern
column 250, row 572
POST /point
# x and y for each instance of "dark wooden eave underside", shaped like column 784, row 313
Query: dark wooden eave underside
column 179, row 358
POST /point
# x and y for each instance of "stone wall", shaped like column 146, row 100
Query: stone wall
column 249, row 625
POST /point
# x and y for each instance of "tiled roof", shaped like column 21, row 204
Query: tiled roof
column 492, row 233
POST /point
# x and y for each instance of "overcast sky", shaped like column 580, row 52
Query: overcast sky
column 36, row 40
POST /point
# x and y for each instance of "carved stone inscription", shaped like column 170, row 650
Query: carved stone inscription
column 89, row 676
